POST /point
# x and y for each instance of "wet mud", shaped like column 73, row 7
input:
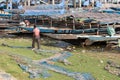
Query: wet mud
column 69, row 45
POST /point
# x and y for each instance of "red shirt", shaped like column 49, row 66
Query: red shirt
column 27, row 23
column 36, row 32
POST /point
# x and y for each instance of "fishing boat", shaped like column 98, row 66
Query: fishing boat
column 89, row 36
column 115, row 8
column 65, row 31
column 112, row 10
column 59, row 22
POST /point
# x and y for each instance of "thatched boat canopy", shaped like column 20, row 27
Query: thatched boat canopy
column 97, row 16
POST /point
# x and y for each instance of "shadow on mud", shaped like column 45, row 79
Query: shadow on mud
column 66, row 44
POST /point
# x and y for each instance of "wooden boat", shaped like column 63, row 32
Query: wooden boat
column 66, row 31
column 90, row 39
column 89, row 36
column 111, row 11
column 115, row 8
column 9, row 15
column 8, row 24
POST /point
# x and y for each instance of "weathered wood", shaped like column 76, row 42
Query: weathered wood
column 65, row 31
column 90, row 39
column 61, row 36
column 88, row 42
column 119, row 42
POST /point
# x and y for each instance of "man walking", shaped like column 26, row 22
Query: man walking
column 36, row 38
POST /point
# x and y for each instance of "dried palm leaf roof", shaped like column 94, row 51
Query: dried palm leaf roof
column 101, row 17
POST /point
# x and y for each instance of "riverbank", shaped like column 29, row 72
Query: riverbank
column 84, row 60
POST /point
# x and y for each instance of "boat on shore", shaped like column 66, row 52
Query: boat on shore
column 58, row 22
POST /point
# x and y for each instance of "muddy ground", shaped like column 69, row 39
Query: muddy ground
column 65, row 44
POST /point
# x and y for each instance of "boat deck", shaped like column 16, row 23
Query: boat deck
column 88, row 39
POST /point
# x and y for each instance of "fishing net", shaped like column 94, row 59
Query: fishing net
column 6, row 45
column 45, row 52
column 43, row 12
column 55, row 6
column 75, row 75
column 35, row 71
column 40, row 68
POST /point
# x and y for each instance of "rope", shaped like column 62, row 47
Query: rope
column 6, row 45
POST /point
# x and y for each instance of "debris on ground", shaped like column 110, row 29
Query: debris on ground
column 39, row 68
column 6, row 76
column 113, row 68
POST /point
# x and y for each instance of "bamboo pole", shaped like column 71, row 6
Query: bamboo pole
column 53, row 2
column 11, row 5
column 35, row 2
column 66, row 22
column 28, row 2
column 118, row 42
column 74, row 2
column 93, row 3
column 66, row 4
column 105, row 3
column 7, row 4
column 51, row 22
column 79, row 3
column 73, row 22
column 25, row 4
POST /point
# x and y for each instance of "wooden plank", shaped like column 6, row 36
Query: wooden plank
column 90, row 39
column 61, row 36
column 119, row 42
